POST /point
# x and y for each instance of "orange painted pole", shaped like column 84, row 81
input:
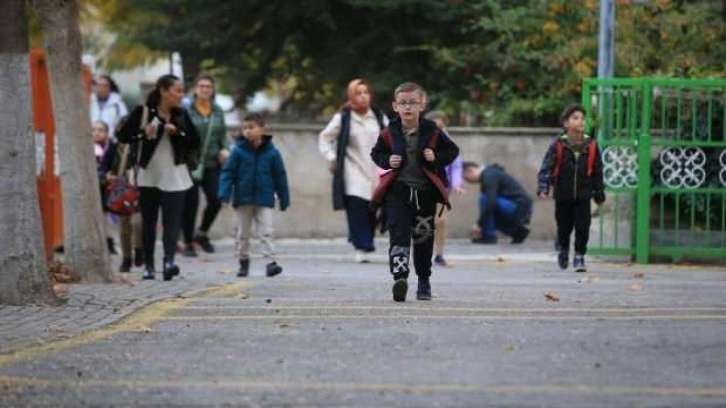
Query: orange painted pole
column 49, row 189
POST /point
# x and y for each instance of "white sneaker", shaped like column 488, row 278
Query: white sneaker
column 361, row 257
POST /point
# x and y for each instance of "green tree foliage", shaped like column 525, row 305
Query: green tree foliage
column 503, row 62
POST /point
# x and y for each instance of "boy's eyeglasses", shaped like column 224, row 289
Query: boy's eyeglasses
column 408, row 104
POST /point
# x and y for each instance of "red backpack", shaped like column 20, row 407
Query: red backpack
column 559, row 152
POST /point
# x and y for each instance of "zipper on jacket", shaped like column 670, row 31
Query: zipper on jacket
column 577, row 169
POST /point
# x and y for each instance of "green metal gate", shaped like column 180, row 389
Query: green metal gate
column 663, row 144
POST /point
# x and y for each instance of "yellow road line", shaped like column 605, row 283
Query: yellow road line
column 663, row 391
column 618, row 310
column 137, row 321
column 439, row 317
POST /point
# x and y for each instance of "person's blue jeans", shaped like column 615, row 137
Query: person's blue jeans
column 504, row 217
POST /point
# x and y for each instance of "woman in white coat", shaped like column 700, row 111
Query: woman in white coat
column 346, row 144
column 106, row 104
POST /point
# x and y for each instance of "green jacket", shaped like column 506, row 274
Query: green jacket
column 218, row 135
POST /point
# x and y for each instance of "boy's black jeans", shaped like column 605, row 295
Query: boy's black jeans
column 410, row 216
column 573, row 214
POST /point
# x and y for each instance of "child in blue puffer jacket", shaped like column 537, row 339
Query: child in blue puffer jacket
column 251, row 177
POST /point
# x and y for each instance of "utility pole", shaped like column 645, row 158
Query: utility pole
column 606, row 40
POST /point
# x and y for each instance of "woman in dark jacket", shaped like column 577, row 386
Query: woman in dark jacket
column 166, row 147
column 208, row 119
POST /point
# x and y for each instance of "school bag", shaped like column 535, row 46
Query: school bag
column 123, row 196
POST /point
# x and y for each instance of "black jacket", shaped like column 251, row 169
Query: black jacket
column 496, row 182
column 573, row 181
column 185, row 143
column 445, row 152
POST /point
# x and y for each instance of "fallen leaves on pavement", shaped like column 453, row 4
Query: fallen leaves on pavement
column 552, row 297
column 636, row 287
column 639, row 275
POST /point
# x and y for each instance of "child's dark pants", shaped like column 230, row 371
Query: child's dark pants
column 410, row 216
column 573, row 214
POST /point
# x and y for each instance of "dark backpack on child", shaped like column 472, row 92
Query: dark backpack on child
column 559, row 154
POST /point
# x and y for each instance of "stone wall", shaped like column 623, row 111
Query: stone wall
column 519, row 150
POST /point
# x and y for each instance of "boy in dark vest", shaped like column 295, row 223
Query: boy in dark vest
column 572, row 166
column 417, row 153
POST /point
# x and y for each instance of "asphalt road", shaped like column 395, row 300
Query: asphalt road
column 502, row 332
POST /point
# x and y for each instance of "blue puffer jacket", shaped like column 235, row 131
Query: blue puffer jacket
column 253, row 176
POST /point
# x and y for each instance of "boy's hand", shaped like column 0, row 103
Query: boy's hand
column 333, row 166
column 543, row 195
column 429, row 155
column 459, row 191
column 395, row 161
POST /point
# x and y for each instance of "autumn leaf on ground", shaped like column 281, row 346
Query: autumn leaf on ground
column 589, row 279
column 60, row 290
column 636, row 287
column 500, row 259
column 552, row 297
column 509, row 348
column 243, row 296
column 639, row 275
column 144, row 329
column 224, row 272
column 286, row 325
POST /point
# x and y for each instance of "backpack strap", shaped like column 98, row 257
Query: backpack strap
column 591, row 157
column 558, row 158
column 379, row 117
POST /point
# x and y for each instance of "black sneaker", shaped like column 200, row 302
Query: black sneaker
column 440, row 261
column 563, row 259
column 520, row 235
column 400, row 288
column 273, row 269
column 111, row 246
column 424, row 290
column 485, row 240
column 138, row 257
column 189, row 251
column 125, row 265
column 579, row 263
column 170, row 270
column 148, row 274
column 204, row 242
column 244, row 268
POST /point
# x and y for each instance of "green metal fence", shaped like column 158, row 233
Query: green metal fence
column 663, row 143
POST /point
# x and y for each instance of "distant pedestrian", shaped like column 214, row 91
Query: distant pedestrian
column 130, row 230
column 504, row 204
column 102, row 143
column 417, row 152
column 346, row 143
column 208, row 119
column 455, row 184
column 253, row 175
column 573, row 167
column 106, row 104
column 168, row 143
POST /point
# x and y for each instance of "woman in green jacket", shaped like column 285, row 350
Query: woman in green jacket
column 208, row 118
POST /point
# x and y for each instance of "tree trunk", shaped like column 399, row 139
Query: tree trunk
column 23, row 270
column 84, row 232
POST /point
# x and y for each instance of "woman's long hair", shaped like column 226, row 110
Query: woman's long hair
column 162, row 84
